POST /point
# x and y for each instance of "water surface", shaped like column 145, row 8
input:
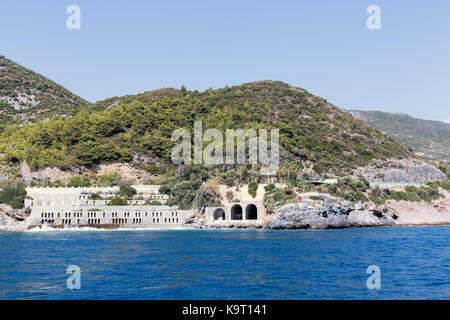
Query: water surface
column 227, row 264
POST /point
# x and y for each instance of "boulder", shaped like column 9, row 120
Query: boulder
column 328, row 216
column 420, row 173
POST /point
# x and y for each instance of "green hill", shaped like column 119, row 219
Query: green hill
column 26, row 95
column 431, row 138
column 313, row 133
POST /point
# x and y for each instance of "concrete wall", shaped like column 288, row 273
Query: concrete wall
column 72, row 206
column 75, row 196
column 111, row 216
column 228, row 208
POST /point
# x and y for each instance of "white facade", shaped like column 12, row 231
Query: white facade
column 61, row 207
column 249, row 210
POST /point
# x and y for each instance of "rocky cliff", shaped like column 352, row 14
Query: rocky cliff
column 406, row 170
column 7, row 222
column 330, row 216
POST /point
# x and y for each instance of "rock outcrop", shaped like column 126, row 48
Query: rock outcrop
column 419, row 173
column 196, row 220
column 8, row 223
column 327, row 216
column 51, row 173
column 407, row 170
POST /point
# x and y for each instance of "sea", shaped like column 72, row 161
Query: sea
column 359, row 263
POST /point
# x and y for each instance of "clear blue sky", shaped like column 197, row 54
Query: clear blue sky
column 127, row 47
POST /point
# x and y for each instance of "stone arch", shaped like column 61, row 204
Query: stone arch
column 251, row 212
column 236, row 212
column 219, row 214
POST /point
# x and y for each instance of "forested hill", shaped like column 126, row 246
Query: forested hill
column 26, row 95
column 313, row 133
column 429, row 137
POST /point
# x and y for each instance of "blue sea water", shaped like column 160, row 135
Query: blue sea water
column 227, row 264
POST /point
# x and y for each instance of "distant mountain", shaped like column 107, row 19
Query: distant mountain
column 26, row 95
column 431, row 138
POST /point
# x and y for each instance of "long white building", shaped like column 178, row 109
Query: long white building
column 63, row 207
column 72, row 207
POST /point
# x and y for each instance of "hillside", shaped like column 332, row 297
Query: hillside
column 26, row 95
column 314, row 134
column 431, row 138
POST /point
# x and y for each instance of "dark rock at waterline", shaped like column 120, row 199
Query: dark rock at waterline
column 327, row 216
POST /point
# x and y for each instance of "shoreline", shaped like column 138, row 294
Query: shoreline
column 215, row 228
column 87, row 229
column 291, row 217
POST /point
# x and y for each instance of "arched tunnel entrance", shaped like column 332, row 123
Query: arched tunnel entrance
column 236, row 212
column 219, row 214
column 251, row 212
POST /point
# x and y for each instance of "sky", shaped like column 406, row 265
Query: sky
column 128, row 47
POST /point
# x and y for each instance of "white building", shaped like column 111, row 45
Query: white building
column 59, row 207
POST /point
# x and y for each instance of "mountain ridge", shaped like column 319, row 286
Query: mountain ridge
column 26, row 96
column 428, row 137
column 314, row 134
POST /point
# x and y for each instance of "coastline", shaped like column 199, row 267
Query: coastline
column 422, row 213
column 297, row 216
column 90, row 229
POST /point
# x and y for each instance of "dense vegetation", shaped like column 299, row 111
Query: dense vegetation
column 316, row 138
column 274, row 197
column 126, row 192
column 351, row 189
column 439, row 184
column 26, row 96
column 13, row 194
column 252, row 188
column 108, row 179
column 410, row 193
column 313, row 133
column 358, row 190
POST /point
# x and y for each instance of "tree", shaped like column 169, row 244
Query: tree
column 13, row 194
column 79, row 181
column 252, row 188
column 126, row 191
column 117, row 201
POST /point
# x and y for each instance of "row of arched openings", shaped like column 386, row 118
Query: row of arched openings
column 251, row 213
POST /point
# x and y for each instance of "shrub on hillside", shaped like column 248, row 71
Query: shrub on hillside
column 13, row 194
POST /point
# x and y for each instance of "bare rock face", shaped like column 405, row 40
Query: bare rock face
column 7, row 223
column 328, row 216
column 4, row 177
column 407, row 170
column 126, row 171
column 419, row 173
column 364, row 218
column 51, row 173
column 25, row 172
column 196, row 220
column 204, row 198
